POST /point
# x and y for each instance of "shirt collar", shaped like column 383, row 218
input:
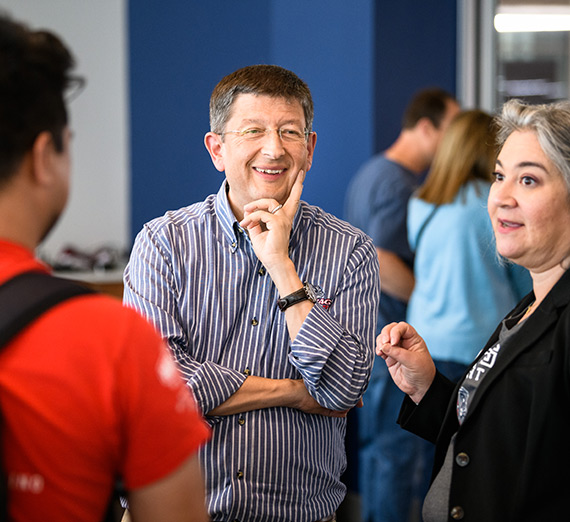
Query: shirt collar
column 16, row 258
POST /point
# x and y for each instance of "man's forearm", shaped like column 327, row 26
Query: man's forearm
column 260, row 392
column 255, row 393
column 396, row 277
column 287, row 281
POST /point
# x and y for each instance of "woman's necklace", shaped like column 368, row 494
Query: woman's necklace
column 528, row 311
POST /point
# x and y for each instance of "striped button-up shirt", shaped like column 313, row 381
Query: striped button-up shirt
column 194, row 273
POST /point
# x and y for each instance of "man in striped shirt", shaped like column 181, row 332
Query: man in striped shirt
column 269, row 305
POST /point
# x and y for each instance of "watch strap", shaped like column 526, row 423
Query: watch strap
column 291, row 299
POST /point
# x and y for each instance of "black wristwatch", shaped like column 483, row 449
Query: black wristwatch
column 307, row 292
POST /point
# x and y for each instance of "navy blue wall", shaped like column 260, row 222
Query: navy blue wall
column 362, row 60
column 415, row 47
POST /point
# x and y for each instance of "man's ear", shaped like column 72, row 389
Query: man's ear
column 215, row 146
column 43, row 150
column 311, row 143
column 428, row 129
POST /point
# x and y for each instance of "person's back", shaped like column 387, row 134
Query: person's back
column 89, row 393
column 462, row 289
column 456, row 269
column 377, row 202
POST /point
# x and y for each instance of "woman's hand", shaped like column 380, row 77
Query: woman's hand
column 407, row 358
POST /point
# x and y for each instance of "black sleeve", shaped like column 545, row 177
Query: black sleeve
column 426, row 418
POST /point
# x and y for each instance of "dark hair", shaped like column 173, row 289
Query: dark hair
column 34, row 74
column 428, row 103
column 267, row 80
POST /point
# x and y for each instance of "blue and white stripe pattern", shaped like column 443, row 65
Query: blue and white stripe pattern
column 194, row 273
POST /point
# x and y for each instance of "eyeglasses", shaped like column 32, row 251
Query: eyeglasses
column 74, row 88
column 286, row 134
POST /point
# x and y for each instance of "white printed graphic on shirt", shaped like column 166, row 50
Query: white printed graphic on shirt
column 473, row 378
column 484, row 364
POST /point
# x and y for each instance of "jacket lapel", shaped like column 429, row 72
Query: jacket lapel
column 536, row 325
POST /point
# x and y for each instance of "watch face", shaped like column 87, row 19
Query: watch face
column 312, row 292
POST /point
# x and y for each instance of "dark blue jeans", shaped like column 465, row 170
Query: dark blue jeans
column 394, row 465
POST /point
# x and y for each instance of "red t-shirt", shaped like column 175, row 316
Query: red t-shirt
column 87, row 392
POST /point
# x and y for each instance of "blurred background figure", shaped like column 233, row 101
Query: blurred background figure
column 462, row 288
column 456, row 267
column 377, row 203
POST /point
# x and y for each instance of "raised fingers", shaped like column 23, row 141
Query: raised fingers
column 292, row 203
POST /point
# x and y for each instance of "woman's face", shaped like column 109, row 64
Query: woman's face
column 529, row 205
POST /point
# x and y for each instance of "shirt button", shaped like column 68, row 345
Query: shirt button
column 239, row 474
column 457, row 513
column 261, row 271
column 247, row 371
column 241, row 420
column 254, row 321
column 462, row 459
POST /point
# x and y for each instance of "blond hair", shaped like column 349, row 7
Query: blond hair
column 467, row 151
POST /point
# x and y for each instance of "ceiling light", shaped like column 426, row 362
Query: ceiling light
column 528, row 18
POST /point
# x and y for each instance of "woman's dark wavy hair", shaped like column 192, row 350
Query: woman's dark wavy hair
column 34, row 76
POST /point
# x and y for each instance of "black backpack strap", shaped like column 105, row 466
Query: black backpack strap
column 22, row 299
column 26, row 296
column 424, row 224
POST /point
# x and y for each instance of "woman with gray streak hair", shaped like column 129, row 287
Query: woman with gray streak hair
column 501, row 429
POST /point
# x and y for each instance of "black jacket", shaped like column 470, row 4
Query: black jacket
column 512, row 452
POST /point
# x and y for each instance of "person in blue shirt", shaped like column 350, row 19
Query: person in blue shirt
column 377, row 202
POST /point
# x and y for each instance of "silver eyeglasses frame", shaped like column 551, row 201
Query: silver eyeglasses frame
column 254, row 134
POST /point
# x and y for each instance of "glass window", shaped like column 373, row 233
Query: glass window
column 513, row 49
column 532, row 50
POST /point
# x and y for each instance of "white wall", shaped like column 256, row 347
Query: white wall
column 96, row 31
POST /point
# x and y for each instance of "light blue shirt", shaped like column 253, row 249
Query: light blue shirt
column 194, row 273
column 462, row 288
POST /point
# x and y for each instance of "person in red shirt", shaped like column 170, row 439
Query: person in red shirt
column 88, row 392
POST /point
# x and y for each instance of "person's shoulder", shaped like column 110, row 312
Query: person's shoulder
column 314, row 216
column 377, row 180
column 418, row 209
column 471, row 201
column 180, row 217
column 377, row 166
column 417, row 203
column 102, row 315
column 477, row 190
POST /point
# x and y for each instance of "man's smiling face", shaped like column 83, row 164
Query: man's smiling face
column 265, row 167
